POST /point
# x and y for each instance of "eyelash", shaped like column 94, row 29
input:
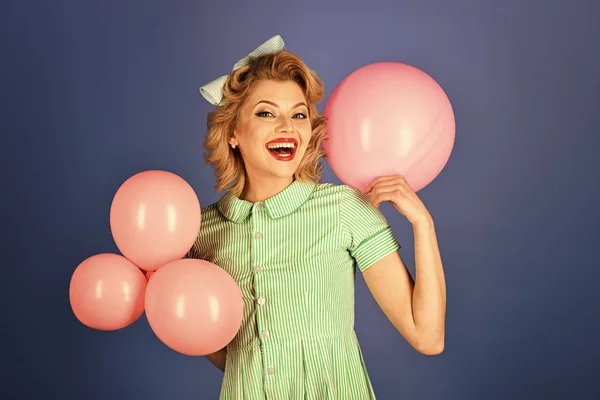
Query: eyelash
column 260, row 114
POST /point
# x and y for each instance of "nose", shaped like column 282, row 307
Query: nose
column 286, row 125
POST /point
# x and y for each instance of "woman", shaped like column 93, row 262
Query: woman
column 291, row 242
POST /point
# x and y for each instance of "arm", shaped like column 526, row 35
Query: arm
column 218, row 359
column 417, row 310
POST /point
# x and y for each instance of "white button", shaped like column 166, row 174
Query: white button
column 265, row 333
column 261, row 300
column 259, row 206
column 258, row 235
column 270, row 371
column 257, row 268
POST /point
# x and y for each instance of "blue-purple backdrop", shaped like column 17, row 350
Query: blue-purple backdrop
column 93, row 92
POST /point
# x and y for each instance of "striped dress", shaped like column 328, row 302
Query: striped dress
column 293, row 258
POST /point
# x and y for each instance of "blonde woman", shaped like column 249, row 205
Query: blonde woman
column 291, row 242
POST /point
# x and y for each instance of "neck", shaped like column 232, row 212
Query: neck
column 257, row 190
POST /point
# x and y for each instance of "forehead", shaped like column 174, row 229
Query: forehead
column 281, row 93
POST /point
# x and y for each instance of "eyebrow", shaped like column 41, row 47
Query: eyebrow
column 275, row 105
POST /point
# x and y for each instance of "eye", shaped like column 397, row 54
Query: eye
column 301, row 116
column 264, row 114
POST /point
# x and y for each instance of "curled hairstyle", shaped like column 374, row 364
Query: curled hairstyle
column 280, row 66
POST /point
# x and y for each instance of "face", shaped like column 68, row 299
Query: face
column 273, row 130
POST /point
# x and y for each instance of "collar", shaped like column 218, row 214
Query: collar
column 283, row 203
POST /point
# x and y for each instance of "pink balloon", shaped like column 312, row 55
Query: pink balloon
column 149, row 275
column 193, row 306
column 107, row 292
column 388, row 119
column 155, row 218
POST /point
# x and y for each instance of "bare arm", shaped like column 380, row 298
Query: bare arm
column 418, row 309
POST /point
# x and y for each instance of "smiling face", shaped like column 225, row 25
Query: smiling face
column 273, row 130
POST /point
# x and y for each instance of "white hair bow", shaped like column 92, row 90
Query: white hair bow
column 213, row 91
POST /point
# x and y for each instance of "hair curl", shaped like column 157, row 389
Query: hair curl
column 280, row 66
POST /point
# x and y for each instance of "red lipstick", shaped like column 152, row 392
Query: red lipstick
column 282, row 149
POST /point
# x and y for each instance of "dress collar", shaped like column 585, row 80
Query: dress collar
column 283, row 203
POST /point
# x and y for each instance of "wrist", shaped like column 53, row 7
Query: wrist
column 424, row 222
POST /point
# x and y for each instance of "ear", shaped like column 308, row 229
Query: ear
column 232, row 140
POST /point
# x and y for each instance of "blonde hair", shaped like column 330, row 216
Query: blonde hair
column 281, row 66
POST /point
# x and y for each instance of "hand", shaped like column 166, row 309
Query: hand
column 398, row 192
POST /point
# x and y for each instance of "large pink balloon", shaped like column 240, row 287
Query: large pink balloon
column 155, row 218
column 388, row 119
column 107, row 292
column 193, row 306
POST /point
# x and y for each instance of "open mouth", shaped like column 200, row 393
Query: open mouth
column 282, row 149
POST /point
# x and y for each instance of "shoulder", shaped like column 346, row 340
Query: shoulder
column 347, row 201
column 330, row 190
column 326, row 195
column 211, row 218
column 210, row 211
column 343, row 193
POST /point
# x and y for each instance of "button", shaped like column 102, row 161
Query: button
column 258, row 235
column 257, row 268
column 261, row 300
column 270, row 370
column 265, row 333
column 259, row 206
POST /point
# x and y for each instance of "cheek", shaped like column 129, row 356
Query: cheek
column 305, row 133
column 304, row 148
column 252, row 140
column 253, row 153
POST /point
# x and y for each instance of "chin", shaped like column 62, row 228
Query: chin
column 284, row 169
column 285, row 172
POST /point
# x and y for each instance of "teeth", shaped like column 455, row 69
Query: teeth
column 281, row 145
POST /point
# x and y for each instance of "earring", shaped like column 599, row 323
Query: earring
column 233, row 146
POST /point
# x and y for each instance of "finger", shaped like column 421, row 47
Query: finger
column 386, row 189
column 380, row 180
column 399, row 183
column 377, row 181
column 380, row 198
column 381, row 189
column 370, row 185
column 388, row 193
column 389, row 187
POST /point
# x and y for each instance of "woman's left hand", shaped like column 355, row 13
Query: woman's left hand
column 398, row 192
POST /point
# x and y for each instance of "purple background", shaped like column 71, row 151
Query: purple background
column 93, row 92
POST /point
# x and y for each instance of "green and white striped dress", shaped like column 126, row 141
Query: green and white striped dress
column 293, row 258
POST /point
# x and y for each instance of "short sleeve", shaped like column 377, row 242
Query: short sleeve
column 368, row 235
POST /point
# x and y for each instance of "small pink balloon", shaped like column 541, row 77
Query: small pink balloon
column 106, row 292
column 154, row 218
column 388, row 119
column 193, row 306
